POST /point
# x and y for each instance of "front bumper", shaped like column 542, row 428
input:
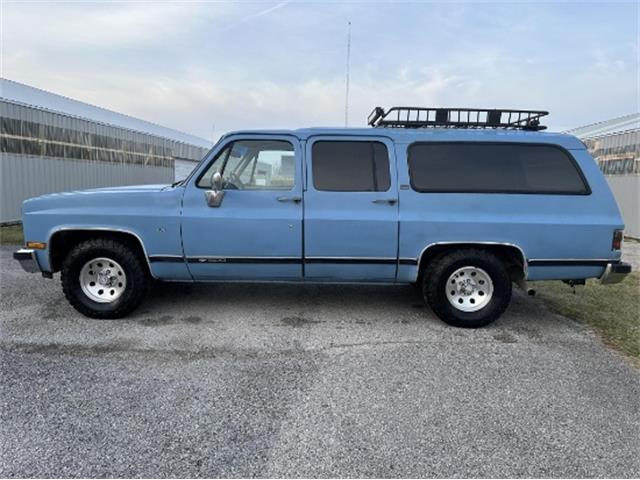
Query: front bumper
column 615, row 272
column 28, row 260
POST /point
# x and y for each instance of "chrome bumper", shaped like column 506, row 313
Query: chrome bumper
column 615, row 272
column 28, row 260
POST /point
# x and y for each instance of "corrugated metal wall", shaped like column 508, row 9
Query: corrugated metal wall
column 43, row 152
column 626, row 189
column 184, row 168
column 616, row 153
column 25, row 176
column 618, row 156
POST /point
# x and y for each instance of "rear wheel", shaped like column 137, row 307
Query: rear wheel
column 104, row 278
column 467, row 288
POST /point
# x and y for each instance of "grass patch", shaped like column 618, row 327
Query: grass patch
column 11, row 235
column 613, row 310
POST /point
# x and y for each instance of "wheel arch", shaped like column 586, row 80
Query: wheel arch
column 63, row 240
column 511, row 254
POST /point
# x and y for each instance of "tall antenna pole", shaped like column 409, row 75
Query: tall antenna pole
column 346, row 96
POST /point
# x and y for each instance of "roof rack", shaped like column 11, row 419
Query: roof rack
column 424, row 117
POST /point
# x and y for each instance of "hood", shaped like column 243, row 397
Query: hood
column 109, row 196
column 89, row 191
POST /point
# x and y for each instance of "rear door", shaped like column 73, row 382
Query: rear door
column 350, row 209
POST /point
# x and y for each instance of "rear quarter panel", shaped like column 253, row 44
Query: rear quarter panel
column 544, row 227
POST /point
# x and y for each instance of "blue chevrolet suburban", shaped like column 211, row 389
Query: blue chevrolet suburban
column 460, row 202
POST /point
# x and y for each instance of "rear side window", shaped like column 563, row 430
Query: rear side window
column 350, row 166
column 494, row 168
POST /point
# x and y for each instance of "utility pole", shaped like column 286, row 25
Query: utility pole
column 346, row 96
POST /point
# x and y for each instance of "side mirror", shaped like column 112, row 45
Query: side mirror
column 216, row 194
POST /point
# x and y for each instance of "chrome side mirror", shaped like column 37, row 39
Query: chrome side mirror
column 216, row 194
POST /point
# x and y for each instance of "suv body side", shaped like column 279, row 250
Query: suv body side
column 559, row 236
column 462, row 213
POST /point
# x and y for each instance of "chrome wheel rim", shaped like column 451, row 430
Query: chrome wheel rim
column 103, row 280
column 469, row 289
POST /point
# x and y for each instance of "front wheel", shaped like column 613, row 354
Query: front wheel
column 104, row 278
column 467, row 288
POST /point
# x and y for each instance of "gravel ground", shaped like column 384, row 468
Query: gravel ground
column 304, row 381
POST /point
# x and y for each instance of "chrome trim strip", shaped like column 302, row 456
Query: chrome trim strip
column 352, row 260
column 349, row 258
column 525, row 266
column 267, row 259
column 240, row 256
column 101, row 229
column 301, row 282
column 567, row 262
column 613, row 260
column 208, row 259
column 166, row 258
column 407, row 261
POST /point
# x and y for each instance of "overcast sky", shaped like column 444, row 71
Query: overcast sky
column 209, row 67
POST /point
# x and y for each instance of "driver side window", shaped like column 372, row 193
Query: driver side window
column 254, row 165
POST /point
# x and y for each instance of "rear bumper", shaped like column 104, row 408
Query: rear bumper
column 615, row 272
column 27, row 259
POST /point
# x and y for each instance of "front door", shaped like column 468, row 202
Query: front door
column 351, row 209
column 256, row 233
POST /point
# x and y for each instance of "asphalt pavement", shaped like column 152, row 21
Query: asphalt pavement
column 256, row 380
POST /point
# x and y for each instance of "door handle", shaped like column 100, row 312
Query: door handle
column 289, row 199
column 390, row 201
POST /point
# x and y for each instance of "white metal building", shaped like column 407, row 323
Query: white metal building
column 50, row 143
column 615, row 144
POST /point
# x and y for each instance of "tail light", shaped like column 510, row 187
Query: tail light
column 616, row 243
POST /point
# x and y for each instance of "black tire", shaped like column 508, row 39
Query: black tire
column 137, row 278
column 436, row 276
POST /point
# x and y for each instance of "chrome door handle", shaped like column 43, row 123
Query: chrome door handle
column 289, row 199
column 390, row 201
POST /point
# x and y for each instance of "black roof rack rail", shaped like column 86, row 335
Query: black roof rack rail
column 425, row 117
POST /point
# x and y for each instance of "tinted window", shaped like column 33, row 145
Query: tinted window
column 350, row 166
column 254, row 165
column 493, row 168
